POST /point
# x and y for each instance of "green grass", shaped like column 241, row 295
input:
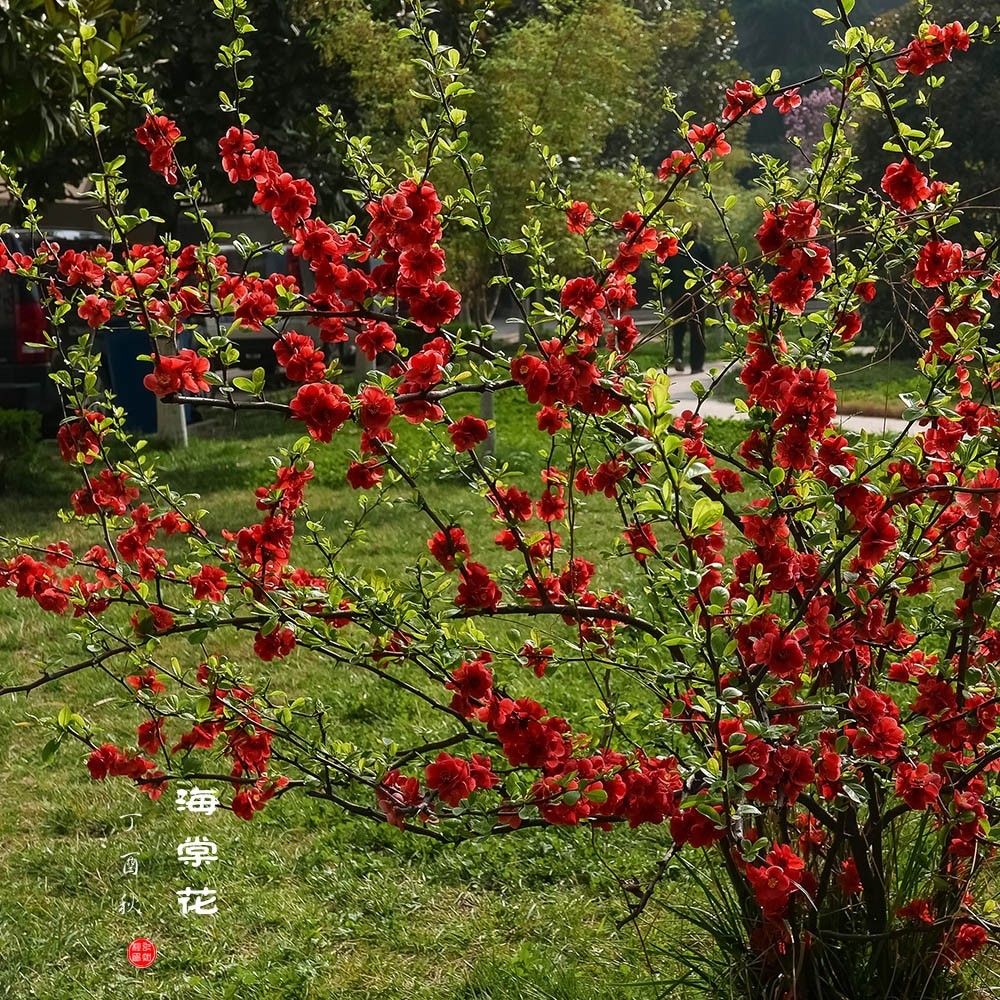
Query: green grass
column 312, row 903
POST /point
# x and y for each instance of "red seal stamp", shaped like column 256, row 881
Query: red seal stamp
column 141, row 953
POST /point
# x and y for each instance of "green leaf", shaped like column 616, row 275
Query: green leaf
column 704, row 514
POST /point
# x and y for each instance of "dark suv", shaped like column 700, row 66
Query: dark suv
column 24, row 369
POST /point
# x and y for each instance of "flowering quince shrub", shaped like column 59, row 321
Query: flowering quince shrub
column 798, row 691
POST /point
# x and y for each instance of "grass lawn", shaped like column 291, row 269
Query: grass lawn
column 312, row 903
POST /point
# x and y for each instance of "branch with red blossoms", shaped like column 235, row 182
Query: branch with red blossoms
column 790, row 638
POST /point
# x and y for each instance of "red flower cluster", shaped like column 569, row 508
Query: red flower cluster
column 562, row 377
column 80, row 438
column 939, row 262
column 404, row 234
column 934, row 45
column 708, row 141
column 782, row 876
column 477, row 590
column 158, row 135
column 448, row 547
column 742, row 99
column 467, row 432
column 323, row 407
column 788, row 101
column 454, row 779
column 181, row 372
column 108, row 761
column 94, row 310
column 786, row 235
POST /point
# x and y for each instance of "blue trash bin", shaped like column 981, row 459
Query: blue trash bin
column 121, row 347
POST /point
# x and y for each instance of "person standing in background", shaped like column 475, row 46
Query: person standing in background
column 687, row 309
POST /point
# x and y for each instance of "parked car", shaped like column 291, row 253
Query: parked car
column 24, row 369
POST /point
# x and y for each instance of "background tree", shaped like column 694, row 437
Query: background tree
column 774, row 34
column 591, row 74
column 174, row 47
column 37, row 87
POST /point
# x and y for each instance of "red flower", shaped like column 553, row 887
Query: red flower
column 235, row 148
column 298, row 355
column 99, row 762
column 579, row 217
column 551, row 419
column 451, row 777
column 847, row 325
column 776, row 880
column 935, row 46
column 147, row 681
column 939, row 262
column 108, row 761
column 154, row 618
column 376, row 339
column 792, row 291
column 536, row 659
column 848, row 879
column 375, row 408
column 582, row 297
column 741, row 99
column 551, row 507
column 78, row 440
column 711, row 140
column 678, row 163
column 209, row 583
column 877, row 539
column 94, row 310
column 692, row 826
column 467, row 432
column 81, row 268
column 788, row 101
column 421, row 265
column 477, row 590
column 877, row 734
column 781, row 655
column 905, row 185
column 276, row 645
column 323, row 407
column 289, row 199
column 641, row 541
column 964, row 942
column 365, row 475
column 242, row 805
column 433, row 305
column 445, row 548
column 158, row 135
column 179, row 372
column 917, row 786
column 918, row 910
column 511, row 504
column 398, row 797
column 149, row 736
column 472, row 683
